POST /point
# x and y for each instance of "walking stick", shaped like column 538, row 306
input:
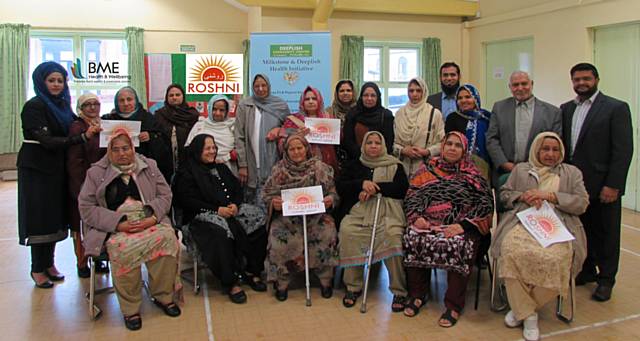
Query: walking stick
column 363, row 306
column 306, row 259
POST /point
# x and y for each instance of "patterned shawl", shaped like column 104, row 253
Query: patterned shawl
column 338, row 108
column 478, row 123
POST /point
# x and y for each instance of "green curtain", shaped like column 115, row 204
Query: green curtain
column 431, row 60
column 14, row 70
column 352, row 59
column 135, row 44
column 246, row 45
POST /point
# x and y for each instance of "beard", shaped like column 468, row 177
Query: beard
column 586, row 93
column 449, row 90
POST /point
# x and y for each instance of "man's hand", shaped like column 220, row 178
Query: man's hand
column 608, row 195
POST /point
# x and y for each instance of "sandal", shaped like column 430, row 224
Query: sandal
column 447, row 320
column 255, row 282
column 412, row 306
column 238, row 297
column 133, row 322
column 398, row 303
column 350, row 298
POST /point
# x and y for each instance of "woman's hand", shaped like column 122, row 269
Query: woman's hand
column 136, row 226
column 363, row 196
column 411, row 152
column 453, row 230
column 243, row 174
column 421, row 224
column 328, row 201
column 423, row 152
column 370, row 187
column 273, row 134
column 144, row 136
column 277, row 203
column 234, row 209
column 93, row 130
column 225, row 212
column 535, row 197
column 303, row 131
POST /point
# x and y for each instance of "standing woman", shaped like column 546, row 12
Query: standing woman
column 79, row 159
column 176, row 119
column 367, row 115
column 344, row 99
column 153, row 144
column 258, row 121
column 311, row 104
column 473, row 121
column 418, row 128
column 42, row 187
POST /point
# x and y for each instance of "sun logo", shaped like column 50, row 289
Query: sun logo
column 302, row 199
column 214, row 69
column 547, row 224
column 322, row 129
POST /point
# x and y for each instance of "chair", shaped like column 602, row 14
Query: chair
column 192, row 248
column 483, row 256
column 94, row 309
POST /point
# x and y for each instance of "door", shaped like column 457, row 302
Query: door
column 501, row 59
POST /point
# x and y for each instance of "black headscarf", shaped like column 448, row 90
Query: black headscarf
column 195, row 152
column 371, row 117
column 181, row 115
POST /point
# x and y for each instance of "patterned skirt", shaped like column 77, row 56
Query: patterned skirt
column 430, row 250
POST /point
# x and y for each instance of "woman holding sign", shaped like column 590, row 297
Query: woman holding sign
column 534, row 275
column 311, row 105
column 285, row 249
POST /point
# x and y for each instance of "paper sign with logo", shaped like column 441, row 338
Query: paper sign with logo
column 544, row 225
column 209, row 74
column 108, row 126
column 323, row 130
column 302, row 201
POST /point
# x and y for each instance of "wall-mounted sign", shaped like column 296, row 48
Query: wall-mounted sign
column 214, row 74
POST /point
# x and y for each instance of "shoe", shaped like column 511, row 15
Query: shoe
column 350, row 298
column 133, row 322
column 326, row 292
column 602, row 293
column 398, row 303
column 239, row 297
column 170, row 309
column 412, row 306
column 281, row 295
column 84, row 272
column 584, row 278
column 511, row 321
column 54, row 278
column 102, row 267
column 530, row 332
column 47, row 284
column 447, row 320
column 254, row 282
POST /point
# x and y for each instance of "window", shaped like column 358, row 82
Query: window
column 392, row 66
column 94, row 56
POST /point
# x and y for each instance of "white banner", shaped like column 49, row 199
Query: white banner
column 323, row 130
column 544, row 225
column 209, row 74
column 302, row 201
column 108, row 126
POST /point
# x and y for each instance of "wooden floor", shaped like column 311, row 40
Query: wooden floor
column 28, row 313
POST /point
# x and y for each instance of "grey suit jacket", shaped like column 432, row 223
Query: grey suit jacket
column 436, row 100
column 501, row 139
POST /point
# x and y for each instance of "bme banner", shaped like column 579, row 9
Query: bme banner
column 292, row 61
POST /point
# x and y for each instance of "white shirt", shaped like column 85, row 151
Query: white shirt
column 255, row 140
column 579, row 115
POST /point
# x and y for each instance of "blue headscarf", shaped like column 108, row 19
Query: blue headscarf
column 59, row 104
column 117, row 108
column 477, row 125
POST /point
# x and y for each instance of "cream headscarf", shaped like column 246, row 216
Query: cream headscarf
column 81, row 100
column 542, row 172
column 412, row 119
column 384, row 166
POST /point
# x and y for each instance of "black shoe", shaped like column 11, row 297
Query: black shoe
column 254, row 282
column 170, row 309
column 84, row 272
column 602, row 293
column 281, row 295
column 239, row 297
column 326, row 292
column 133, row 322
column 102, row 267
column 584, row 278
column 54, row 278
column 47, row 284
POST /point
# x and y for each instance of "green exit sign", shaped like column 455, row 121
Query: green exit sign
column 187, row 48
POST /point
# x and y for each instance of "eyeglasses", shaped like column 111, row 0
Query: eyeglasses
column 91, row 104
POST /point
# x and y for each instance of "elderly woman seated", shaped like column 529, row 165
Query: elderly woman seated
column 534, row 275
column 376, row 172
column 285, row 250
column 124, row 204
column 225, row 231
column 449, row 207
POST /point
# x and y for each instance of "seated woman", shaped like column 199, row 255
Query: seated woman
column 211, row 197
column 449, row 207
column 221, row 127
column 473, row 121
column 124, row 203
column 375, row 172
column 534, row 275
column 311, row 105
column 285, row 250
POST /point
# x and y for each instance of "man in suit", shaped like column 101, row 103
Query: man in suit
column 515, row 122
column 445, row 101
column 599, row 140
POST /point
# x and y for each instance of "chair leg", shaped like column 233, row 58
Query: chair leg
column 94, row 310
column 478, row 278
column 495, row 289
column 572, row 303
column 196, row 283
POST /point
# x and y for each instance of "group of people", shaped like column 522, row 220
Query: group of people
column 428, row 171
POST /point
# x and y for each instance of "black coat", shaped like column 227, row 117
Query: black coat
column 605, row 145
column 384, row 125
column 435, row 100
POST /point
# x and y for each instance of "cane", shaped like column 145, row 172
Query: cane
column 363, row 306
column 306, row 259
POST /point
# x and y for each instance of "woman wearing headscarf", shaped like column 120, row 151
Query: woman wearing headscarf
column 219, row 125
column 79, row 159
column 344, row 98
column 285, row 250
column 449, row 206
column 418, row 128
column 534, row 275
column 153, row 142
column 374, row 172
column 311, row 104
column 367, row 115
column 258, row 121
column 473, row 121
column 211, row 198
column 124, row 203
column 42, row 187
column 176, row 119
